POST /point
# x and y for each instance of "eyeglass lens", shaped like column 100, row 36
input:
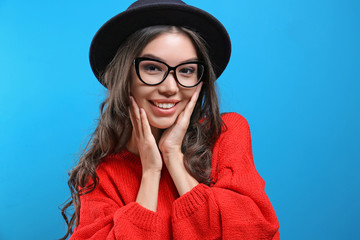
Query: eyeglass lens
column 153, row 72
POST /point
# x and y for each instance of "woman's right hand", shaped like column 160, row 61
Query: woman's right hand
column 144, row 140
column 151, row 161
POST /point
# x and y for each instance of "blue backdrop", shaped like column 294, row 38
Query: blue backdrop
column 294, row 74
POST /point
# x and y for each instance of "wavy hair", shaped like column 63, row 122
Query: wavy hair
column 114, row 126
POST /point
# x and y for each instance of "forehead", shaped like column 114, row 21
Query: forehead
column 171, row 47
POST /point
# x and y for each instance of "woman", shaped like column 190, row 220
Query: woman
column 162, row 162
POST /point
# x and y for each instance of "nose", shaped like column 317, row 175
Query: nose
column 169, row 87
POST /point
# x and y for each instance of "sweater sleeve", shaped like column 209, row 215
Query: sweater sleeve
column 236, row 205
column 103, row 215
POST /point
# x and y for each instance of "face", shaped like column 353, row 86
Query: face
column 164, row 102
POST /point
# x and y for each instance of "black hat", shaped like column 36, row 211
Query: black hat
column 145, row 13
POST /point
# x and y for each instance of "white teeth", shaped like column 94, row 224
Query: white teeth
column 165, row 105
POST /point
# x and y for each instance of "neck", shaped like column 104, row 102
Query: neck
column 156, row 132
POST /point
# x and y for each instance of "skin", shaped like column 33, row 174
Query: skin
column 154, row 150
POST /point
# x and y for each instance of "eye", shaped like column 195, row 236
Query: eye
column 187, row 70
column 151, row 68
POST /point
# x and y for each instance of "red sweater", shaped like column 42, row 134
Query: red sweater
column 234, row 207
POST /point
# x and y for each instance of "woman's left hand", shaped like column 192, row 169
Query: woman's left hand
column 170, row 147
column 171, row 140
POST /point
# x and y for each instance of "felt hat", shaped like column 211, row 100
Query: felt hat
column 145, row 13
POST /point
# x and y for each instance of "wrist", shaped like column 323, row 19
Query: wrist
column 149, row 189
column 174, row 150
column 184, row 182
column 175, row 157
column 151, row 174
column 151, row 168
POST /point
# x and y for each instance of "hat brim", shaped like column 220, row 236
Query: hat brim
column 114, row 32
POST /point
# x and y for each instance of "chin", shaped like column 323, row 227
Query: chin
column 162, row 124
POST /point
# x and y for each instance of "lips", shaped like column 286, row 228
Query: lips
column 163, row 107
column 164, row 104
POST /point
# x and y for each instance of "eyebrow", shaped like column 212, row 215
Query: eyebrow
column 159, row 58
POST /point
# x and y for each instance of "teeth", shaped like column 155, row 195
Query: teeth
column 165, row 105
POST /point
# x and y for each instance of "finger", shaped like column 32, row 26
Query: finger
column 135, row 117
column 132, row 119
column 133, row 123
column 131, row 112
column 145, row 123
column 191, row 104
column 135, row 108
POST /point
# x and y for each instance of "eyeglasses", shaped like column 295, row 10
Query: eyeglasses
column 153, row 72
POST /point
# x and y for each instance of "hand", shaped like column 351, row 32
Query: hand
column 144, row 139
column 170, row 146
column 171, row 139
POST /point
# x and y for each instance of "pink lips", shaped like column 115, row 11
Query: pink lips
column 164, row 111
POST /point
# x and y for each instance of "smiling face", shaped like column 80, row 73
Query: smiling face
column 164, row 102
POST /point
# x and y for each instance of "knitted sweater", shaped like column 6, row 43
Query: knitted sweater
column 234, row 207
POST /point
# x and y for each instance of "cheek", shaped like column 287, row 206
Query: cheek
column 188, row 94
column 135, row 88
column 137, row 94
column 136, row 91
column 140, row 94
column 185, row 97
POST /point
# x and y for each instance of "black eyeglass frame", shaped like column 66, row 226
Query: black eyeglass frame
column 138, row 60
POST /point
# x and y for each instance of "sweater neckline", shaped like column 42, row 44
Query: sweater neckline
column 125, row 151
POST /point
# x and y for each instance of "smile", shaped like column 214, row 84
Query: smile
column 164, row 105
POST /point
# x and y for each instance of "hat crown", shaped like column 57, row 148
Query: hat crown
column 141, row 3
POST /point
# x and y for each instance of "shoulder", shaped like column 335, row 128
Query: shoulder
column 232, row 149
column 232, row 117
column 114, row 172
column 234, row 123
column 107, row 165
column 235, row 136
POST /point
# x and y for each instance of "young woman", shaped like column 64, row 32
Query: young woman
column 162, row 162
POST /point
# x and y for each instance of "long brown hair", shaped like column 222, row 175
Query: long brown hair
column 114, row 127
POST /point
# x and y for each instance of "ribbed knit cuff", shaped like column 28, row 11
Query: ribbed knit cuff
column 140, row 216
column 188, row 203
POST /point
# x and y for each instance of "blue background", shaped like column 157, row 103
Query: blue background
column 294, row 74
